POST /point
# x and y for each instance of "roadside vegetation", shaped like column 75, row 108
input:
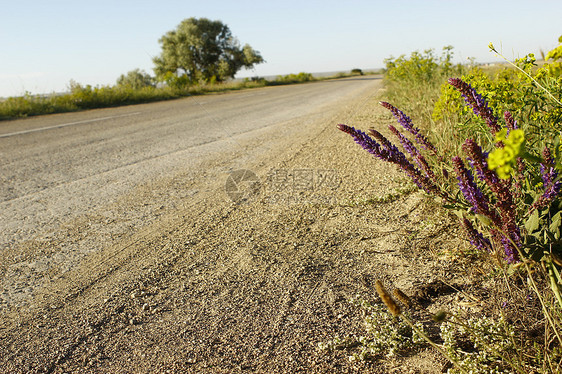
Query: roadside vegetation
column 486, row 145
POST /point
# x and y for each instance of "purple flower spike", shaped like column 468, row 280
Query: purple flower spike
column 477, row 103
column 476, row 238
column 386, row 151
column 422, row 181
column 394, row 154
column 504, row 205
column 510, row 122
column 406, row 122
column 548, row 172
column 478, row 158
column 363, row 140
column 471, row 192
column 511, row 253
column 413, row 151
column 501, row 189
column 550, row 180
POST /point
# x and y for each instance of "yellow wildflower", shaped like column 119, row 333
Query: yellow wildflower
column 503, row 159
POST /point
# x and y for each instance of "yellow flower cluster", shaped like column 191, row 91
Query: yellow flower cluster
column 503, row 159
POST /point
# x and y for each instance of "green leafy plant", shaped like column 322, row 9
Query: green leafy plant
column 135, row 79
column 529, row 92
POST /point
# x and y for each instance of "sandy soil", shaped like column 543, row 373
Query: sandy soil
column 216, row 285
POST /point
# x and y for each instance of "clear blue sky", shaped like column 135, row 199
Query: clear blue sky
column 45, row 44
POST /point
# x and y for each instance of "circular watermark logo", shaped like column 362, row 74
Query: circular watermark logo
column 242, row 185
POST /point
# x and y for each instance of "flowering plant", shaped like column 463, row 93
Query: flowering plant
column 503, row 181
column 500, row 199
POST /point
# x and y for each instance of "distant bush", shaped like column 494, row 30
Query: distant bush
column 295, row 78
column 356, row 72
column 255, row 80
column 135, row 79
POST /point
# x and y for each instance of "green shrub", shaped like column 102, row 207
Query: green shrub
column 295, row 78
column 413, row 82
column 134, row 88
column 135, row 79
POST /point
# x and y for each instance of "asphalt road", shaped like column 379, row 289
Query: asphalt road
column 78, row 169
column 45, row 152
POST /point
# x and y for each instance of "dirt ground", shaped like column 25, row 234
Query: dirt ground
column 217, row 285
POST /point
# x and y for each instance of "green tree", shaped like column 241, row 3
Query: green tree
column 203, row 50
column 135, row 79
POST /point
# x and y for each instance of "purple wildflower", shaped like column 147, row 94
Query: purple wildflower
column 479, row 162
column 548, row 172
column 406, row 122
column 550, row 181
column 503, row 214
column 511, row 253
column 387, row 151
column 363, row 140
column 477, row 103
column 506, row 207
column 471, row 192
column 510, row 122
column 505, row 204
column 384, row 150
column 476, row 239
column 413, row 151
column 400, row 160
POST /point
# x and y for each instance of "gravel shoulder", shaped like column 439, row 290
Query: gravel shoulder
column 208, row 285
